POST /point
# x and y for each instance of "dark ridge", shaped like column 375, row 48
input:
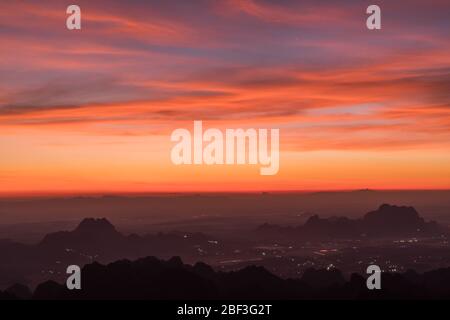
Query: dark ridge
column 386, row 221
column 154, row 279
column 90, row 225
column 20, row 291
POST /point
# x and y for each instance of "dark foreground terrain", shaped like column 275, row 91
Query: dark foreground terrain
column 151, row 278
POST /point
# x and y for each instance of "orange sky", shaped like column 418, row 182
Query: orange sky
column 92, row 110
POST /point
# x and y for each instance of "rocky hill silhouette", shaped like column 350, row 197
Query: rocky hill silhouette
column 98, row 240
column 95, row 234
column 154, row 279
column 386, row 221
column 92, row 240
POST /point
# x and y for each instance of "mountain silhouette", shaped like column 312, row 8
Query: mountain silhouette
column 154, row 279
column 97, row 240
column 101, row 226
column 397, row 220
column 19, row 291
column 89, row 233
column 151, row 278
column 386, row 221
column 92, row 240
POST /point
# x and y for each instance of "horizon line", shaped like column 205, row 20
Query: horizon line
column 97, row 194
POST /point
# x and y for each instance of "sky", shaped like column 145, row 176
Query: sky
column 92, row 110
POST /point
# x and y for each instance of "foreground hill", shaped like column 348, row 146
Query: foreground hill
column 151, row 278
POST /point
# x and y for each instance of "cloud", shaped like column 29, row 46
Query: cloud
column 280, row 63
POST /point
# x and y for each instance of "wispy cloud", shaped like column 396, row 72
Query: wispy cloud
column 311, row 68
